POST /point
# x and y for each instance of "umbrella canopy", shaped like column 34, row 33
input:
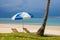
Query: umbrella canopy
column 21, row 15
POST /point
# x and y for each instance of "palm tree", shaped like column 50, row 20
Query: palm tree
column 42, row 28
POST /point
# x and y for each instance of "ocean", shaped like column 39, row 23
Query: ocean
column 33, row 21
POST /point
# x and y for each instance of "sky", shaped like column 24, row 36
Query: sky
column 35, row 7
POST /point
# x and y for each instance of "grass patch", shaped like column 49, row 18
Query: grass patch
column 26, row 36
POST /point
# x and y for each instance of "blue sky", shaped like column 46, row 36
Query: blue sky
column 36, row 7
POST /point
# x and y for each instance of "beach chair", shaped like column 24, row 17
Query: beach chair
column 26, row 30
column 14, row 30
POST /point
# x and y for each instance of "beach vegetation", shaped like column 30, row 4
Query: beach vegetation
column 26, row 36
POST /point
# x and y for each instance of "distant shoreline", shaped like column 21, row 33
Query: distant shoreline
column 29, row 24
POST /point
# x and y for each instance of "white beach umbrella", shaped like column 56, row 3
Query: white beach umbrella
column 21, row 16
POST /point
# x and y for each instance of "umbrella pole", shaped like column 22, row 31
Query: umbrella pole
column 22, row 24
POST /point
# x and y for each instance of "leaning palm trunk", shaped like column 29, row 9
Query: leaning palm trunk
column 41, row 30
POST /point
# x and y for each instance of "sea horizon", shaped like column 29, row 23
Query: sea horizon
column 32, row 21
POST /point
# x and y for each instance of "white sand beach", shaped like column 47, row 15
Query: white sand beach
column 50, row 30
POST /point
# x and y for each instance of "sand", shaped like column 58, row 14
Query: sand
column 50, row 30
